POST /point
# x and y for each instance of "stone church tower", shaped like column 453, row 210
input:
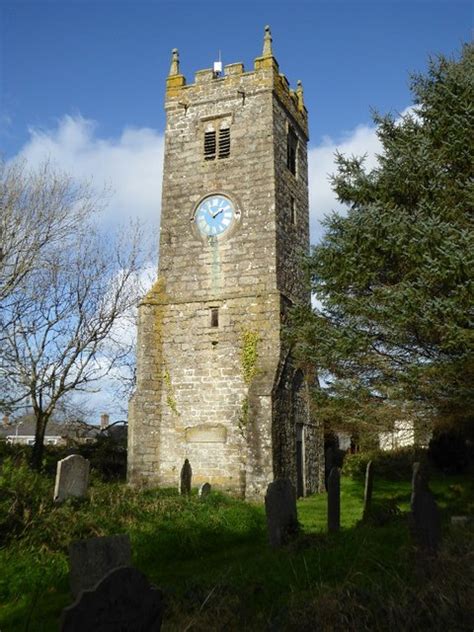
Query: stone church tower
column 215, row 381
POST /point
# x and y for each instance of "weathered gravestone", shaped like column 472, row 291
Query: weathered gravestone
column 280, row 508
column 123, row 601
column 205, row 489
column 461, row 521
column 369, row 484
column 425, row 518
column 334, row 499
column 72, row 478
column 90, row 560
column 329, row 463
column 185, row 478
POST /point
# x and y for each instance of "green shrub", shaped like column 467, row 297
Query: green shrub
column 107, row 457
column 7, row 450
column 392, row 465
column 24, row 494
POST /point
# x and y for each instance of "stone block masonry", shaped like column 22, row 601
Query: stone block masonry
column 215, row 382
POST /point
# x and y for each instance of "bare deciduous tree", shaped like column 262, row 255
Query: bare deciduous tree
column 61, row 305
column 38, row 210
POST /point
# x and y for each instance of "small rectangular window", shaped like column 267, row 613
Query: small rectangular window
column 291, row 147
column 210, row 145
column 214, row 317
column 292, row 210
column 224, row 142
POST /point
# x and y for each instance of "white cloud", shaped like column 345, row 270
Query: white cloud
column 322, row 200
column 130, row 166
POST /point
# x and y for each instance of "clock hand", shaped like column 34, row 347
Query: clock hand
column 216, row 214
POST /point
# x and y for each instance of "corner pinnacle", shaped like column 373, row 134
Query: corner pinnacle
column 267, row 43
column 299, row 94
column 174, row 68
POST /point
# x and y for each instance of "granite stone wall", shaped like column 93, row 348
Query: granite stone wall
column 194, row 398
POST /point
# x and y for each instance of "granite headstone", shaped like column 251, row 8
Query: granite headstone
column 334, row 500
column 369, row 483
column 205, row 489
column 280, row 509
column 72, row 478
column 90, row 560
column 425, row 517
column 185, row 478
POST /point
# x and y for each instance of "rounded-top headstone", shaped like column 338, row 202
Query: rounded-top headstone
column 205, row 489
column 72, row 478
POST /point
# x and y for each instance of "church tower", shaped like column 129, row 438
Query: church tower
column 215, row 380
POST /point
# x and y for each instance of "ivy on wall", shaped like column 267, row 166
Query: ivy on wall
column 249, row 355
column 248, row 362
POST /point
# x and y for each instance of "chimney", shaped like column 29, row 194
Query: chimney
column 104, row 420
column 5, row 421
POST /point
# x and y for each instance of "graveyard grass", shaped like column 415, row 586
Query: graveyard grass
column 211, row 558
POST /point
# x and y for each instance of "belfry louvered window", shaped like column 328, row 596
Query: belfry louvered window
column 224, row 142
column 217, row 144
column 210, row 145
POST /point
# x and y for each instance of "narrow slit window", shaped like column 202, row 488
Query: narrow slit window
column 210, row 145
column 292, row 210
column 292, row 144
column 214, row 317
column 224, row 142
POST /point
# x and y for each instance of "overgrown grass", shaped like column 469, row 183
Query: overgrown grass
column 210, row 557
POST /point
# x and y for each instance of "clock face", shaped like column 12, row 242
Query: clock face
column 214, row 215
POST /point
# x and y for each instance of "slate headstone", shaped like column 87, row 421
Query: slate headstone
column 90, row 560
column 205, row 489
column 425, row 518
column 334, row 500
column 369, row 483
column 123, row 601
column 185, row 478
column 72, row 478
column 329, row 458
column 280, row 508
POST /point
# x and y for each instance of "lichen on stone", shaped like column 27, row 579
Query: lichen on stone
column 170, row 398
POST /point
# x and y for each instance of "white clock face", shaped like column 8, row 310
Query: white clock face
column 214, row 215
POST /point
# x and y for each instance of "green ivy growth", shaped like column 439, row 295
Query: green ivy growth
column 248, row 360
column 249, row 355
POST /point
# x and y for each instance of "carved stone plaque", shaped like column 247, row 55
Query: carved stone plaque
column 206, row 434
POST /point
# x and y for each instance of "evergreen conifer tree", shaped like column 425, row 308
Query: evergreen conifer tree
column 393, row 277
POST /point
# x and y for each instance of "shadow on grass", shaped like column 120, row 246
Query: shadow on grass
column 211, row 558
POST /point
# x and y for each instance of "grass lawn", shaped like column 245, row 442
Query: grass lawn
column 211, row 558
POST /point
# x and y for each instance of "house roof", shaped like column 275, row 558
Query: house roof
column 26, row 425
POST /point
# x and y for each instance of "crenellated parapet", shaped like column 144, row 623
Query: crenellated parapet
column 236, row 81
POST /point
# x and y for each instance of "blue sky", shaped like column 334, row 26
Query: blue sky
column 82, row 83
column 107, row 60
